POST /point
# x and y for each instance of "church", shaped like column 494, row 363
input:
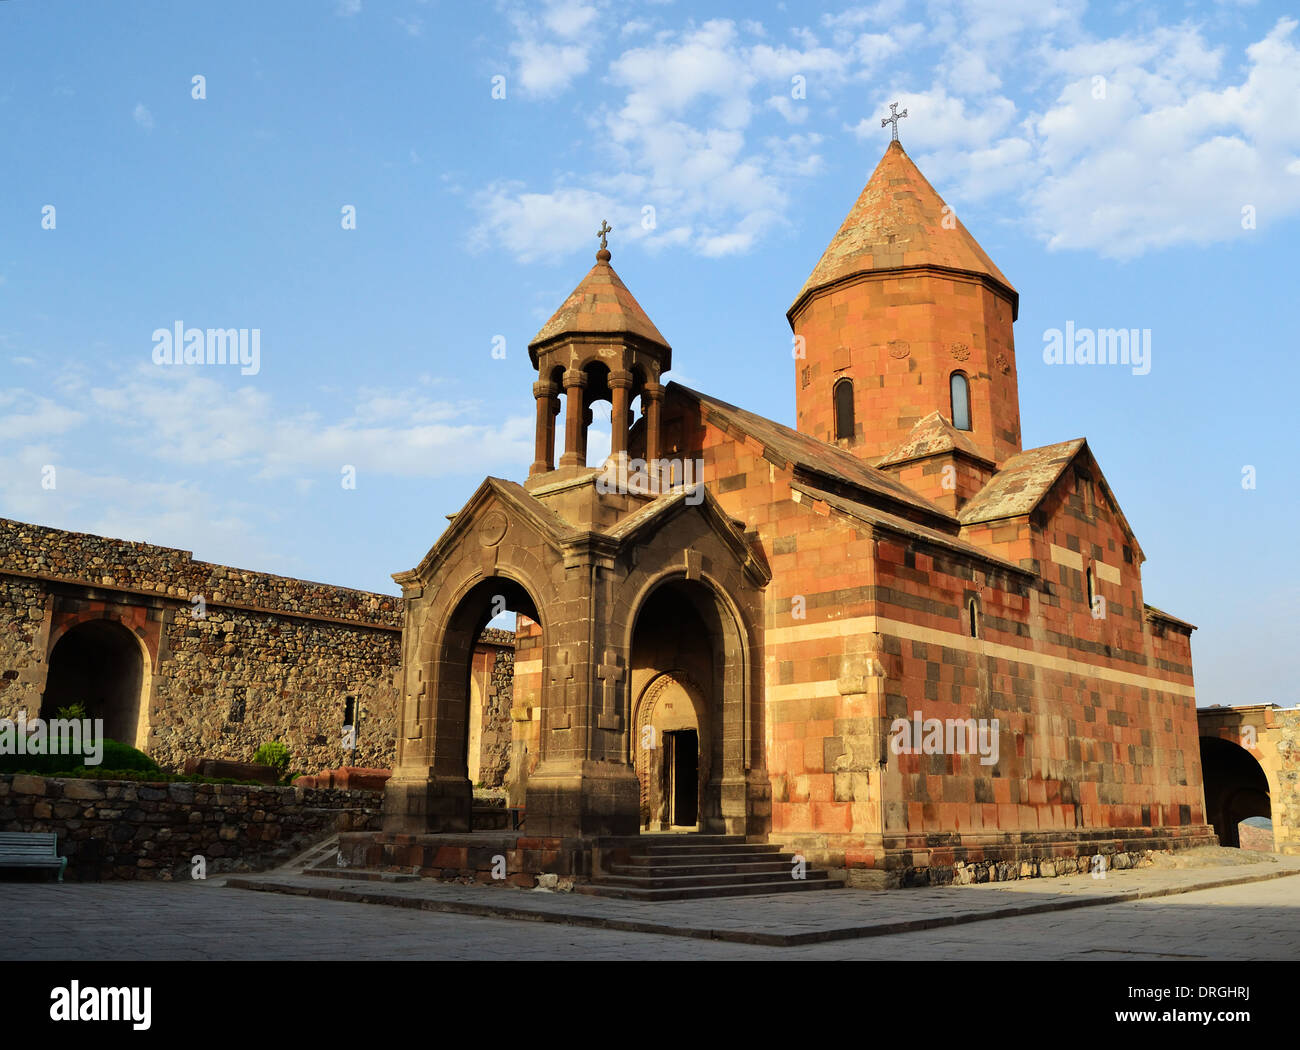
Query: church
column 891, row 639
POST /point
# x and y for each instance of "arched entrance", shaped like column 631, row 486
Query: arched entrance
column 100, row 665
column 453, row 673
column 687, row 706
column 672, row 753
column 1235, row 787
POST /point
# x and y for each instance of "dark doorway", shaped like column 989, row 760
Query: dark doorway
column 682, row 763
column 98, row 664
column 1235, row 787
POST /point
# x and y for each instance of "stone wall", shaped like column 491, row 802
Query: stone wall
column 494, row 761
column 127, row 830
column 258, row 657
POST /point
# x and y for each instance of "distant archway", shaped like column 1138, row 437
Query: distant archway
column 1235, row 787
column 453, row 673
column 101, row 665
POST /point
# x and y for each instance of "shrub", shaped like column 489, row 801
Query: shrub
column 273, row 754
column 116, row 756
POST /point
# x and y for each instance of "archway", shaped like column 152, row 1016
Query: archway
column 672, row 754
column 454, row 672
column 100, row 665
column 1236, row 787
column 687, row 680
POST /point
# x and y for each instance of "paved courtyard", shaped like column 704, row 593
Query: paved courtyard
column 196, row 921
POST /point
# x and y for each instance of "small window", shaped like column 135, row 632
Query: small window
column 973, row 615
column 1092, row 588
column 960, row 401
column 844, row 409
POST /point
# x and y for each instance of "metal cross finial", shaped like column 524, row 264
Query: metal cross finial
column 893, row 118
column 605, row 228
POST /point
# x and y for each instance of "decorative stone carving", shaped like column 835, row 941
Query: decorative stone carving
column 492, row 529
column 959, row 351
column 899, row 349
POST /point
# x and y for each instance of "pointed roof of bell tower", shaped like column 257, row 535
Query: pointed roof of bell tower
column 601, row 305
column 899, row 223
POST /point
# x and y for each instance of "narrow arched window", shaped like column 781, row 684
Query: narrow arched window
column 844, row 409
column 1092, row 589
column 972, row 612
column 960, row 401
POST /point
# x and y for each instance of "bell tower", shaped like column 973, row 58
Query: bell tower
column 598, row 346
column 905, row 315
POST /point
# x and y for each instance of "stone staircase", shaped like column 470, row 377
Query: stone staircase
column 693, row 867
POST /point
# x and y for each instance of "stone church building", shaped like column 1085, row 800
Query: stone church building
column 890, row 638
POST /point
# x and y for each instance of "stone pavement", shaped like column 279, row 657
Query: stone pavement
column 789, row 919
column 205, row 921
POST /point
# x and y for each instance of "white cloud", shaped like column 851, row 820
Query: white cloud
column 677, row 141
column 183, row 416
column 1164, row 159
column 142, row 116
column 347, row 8
column 552, row 48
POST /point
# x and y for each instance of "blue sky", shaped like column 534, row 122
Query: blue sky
column 1110, row 160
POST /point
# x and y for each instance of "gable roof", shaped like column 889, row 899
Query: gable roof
column 931, row 436
column 552, row 528
column 789, row 448
column 600, row 305
column 1026, row 479
column 1021, row 484
column 899, row 222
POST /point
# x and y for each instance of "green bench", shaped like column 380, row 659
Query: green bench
column 31, row 849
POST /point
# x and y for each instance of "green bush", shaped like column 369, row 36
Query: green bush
column 273, row 754
column 116, row 756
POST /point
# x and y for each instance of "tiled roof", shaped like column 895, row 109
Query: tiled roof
column 929, row 437
column 600, row 305
column 1023, row 480
column 899, row 222
column 811, row 454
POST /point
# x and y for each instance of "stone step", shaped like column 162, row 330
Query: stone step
column 735, row 849
column 657, row 881
column 688, row 866
column 600, row 889
column 360, row 875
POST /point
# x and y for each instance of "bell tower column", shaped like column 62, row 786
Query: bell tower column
column 544, row 452
column 653, row 395
column 620, row 383
column 575, row 414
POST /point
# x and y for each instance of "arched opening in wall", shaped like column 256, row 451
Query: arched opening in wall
column 959, row 387
column 973, row 617
column 687, row 683
column 100, row 665
column 1236, row 787
column 844, row 423
column 1090, row 579
column 598, row 401
column 476, row 736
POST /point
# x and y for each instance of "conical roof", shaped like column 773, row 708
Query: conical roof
column 600, row 305
column 896, row 224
